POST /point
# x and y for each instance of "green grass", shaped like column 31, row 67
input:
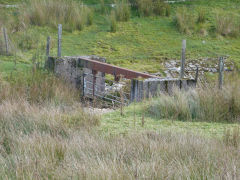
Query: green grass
column 114, row 123
column 7, row 67
column 143, row 43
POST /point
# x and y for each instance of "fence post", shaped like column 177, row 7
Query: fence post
column 48, row 46
column 6, row 40
column 183, row 57
column 197, row 74
column 221, row 71
column 59, row 40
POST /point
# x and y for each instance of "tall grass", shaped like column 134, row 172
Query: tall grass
column 202, row 104
column 151, row 7
column 122, row 10
column 73, row 15
column 227, row 24
column 30, row 99
column 113, row 22
column 46, row 134
column 185, row 20
column 84, row 155
column 36, row 87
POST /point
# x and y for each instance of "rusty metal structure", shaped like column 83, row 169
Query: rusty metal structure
column 116, row 71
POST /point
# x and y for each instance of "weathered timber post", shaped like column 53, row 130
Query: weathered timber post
column 183, row 57
column 48, row 46
column 6, row 40
column 196, row 75
column 221, row 72
column 59, row 40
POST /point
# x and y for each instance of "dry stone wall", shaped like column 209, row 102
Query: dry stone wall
column 69, row 68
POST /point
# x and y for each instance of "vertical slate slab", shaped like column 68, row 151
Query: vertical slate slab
column 191, row 83
column 133, row 90
column 163, row 87
column 171, row 84
column 184, row 85
column 140, row 91
column 152, row 87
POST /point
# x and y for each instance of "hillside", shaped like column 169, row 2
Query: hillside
column 142, row 43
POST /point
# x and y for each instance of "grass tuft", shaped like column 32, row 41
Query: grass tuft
column 202, row 104
column 227, row 24
column 71, row 14
column 122, row 10
column 185, row 20
column 113, row 22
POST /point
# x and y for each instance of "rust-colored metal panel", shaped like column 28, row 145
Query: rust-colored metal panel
column 111, row 69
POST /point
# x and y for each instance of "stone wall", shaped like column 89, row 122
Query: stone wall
column 70, row 69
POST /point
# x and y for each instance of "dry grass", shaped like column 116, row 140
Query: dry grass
column 206, row 103
column 185, row 20
column 36, row 87
column 45, row 134
column 71, row 14
column 86, row 155
column 227, row 24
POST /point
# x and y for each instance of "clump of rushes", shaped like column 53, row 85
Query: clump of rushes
column 71, row 14
column 202, row 104
column 151, row 7
column 201, row 16
column 113, row 22
column 184, row 20
column 102, row 7
column 122, row 10
column 227, row 24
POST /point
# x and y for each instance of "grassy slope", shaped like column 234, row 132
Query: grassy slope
column 142, row 43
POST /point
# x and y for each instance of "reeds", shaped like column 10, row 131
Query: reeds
column 71, row 14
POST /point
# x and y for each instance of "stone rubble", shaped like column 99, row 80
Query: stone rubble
column 172, row 67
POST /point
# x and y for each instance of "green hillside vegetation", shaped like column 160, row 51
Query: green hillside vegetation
column 141, row 41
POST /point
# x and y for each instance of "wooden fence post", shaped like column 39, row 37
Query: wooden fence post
column 59, row 40
column 221, row 72
column 48, row 46
column 6, row 40
column 183, row 57
column 196, row 75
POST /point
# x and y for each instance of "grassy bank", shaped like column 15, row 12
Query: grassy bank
column 142, row 43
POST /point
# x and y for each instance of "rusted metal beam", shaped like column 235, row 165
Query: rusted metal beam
column 111, row 69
